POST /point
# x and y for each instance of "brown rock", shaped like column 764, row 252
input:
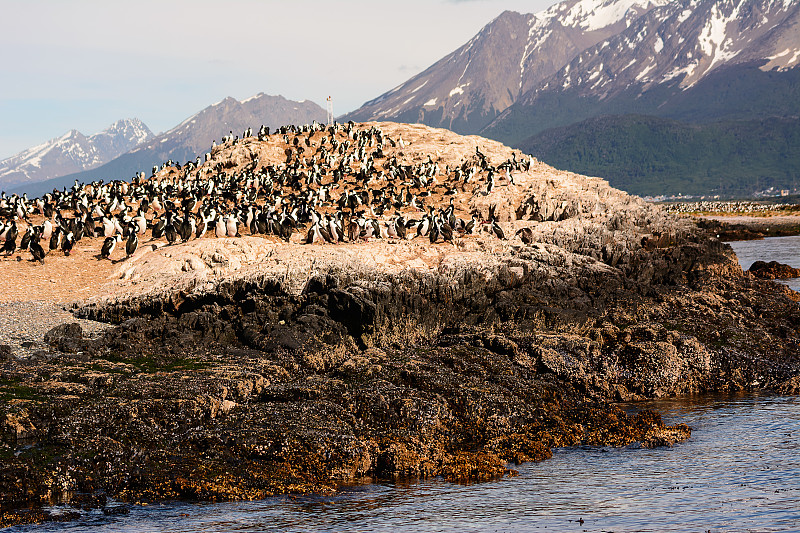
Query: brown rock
column 773, row 270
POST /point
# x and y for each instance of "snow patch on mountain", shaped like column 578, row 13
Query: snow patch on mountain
column 714, row 40
column 421, row 86
column 458, row 90
column 591, row 15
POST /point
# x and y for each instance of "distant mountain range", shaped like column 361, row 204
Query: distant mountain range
column 694, row 61
column 187, row 140
column 194, row 136
column 72, row 152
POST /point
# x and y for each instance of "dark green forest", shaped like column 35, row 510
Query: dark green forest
column 647, row 155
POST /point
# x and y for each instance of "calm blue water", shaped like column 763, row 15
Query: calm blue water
column 781, row 249
column 740, row 471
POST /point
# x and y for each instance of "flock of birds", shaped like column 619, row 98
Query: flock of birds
column 335, row 185
column 738, row 206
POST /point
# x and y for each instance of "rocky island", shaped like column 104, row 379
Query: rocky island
column 238, row 367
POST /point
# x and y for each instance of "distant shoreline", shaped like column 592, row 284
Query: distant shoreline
column 749, row 227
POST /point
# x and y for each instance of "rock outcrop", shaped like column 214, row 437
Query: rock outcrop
column 244, row 367
column 773, row 270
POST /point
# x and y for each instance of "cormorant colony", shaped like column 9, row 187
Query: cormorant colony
column 336, row 185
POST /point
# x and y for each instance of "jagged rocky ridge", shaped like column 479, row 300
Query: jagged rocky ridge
column 315, row 365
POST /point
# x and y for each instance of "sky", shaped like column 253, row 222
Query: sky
column 83, row 64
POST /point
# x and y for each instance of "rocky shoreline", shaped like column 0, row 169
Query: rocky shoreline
column 746, row 227
column 251, row 390
column 243, row 368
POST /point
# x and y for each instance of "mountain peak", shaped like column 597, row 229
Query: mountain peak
column 511, row 55
column 591, row 48
column 254, row 97
column 73, row 152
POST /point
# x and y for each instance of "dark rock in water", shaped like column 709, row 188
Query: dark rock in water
column 116, row 510
column 88, row 500
column 34, row 516
column 755, row 228
column 773, row 270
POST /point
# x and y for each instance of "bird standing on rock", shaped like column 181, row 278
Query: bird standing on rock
column 220, row 229
column 47, row 230
column 10, row 243
column 67, row 243
column 232, row 226
column 36, row 250
column 498, row 231
column 131, row 244
column 108, row 246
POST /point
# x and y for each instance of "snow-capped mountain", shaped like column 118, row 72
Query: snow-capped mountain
column 524, row 73
column 693, row 60
column 510, row 56
column 73, row 152
column 193, row 137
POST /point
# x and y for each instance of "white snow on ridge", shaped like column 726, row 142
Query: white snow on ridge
column 395, row 89
column 688, row 70
column 187, row 121
column 776, row 56
column 432, row 101
column 537, row 36
column 592, row 15
column 643, row 74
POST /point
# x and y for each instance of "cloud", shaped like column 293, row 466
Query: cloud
column 409, row 68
